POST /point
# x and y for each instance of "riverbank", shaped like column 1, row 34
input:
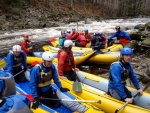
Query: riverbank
column 38, row 14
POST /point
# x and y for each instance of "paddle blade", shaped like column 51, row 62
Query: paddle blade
column 28, row 97
column 124, row 41
column 2, row 63
column 77, row 87
column 35, row 63
column 52, row 39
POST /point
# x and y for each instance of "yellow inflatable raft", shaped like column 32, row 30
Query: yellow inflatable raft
column 114, row 47
column 78, row 59
column 103, row 58
column 108, row 104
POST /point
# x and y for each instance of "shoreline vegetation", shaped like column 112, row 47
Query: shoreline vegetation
column 25, row 14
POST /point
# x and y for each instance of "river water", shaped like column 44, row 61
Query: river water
column 106, row 26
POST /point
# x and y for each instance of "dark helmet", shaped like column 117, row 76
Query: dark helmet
column 68, row 31
column 117, row 27
column 126, row 51
column 97, row 34
column 63, row 32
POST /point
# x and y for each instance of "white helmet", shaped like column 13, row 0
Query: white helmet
column 47, row 56
column 68, row 43
column 16, row 48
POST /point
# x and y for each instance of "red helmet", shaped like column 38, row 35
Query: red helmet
column 26, row 36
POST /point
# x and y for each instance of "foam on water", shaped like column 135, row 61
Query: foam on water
column 105, row 26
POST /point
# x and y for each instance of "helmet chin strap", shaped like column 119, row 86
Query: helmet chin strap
column 123, row 60
column 44, row 64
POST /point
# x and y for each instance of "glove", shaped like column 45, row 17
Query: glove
column 96, row 46
column 64, row 89
column 35, row 103
column 87, row 40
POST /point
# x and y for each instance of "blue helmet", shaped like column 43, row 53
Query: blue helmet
column 127, row 51
column 86, row 30
column 73, row 28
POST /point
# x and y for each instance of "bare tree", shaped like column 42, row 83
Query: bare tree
column 71, row 4
column 47, row 3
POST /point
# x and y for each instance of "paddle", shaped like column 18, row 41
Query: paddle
column 2, row 63
column 33, row 64
column 69, row 100
column 18, row 73
column 132, row 98
column 93, row 54
column 77, row 87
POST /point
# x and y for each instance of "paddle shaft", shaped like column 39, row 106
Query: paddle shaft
column 69, row 100
column 18, row 73
column 132, row 98
column 21, row 71
column 88, row 58
column 2, row 63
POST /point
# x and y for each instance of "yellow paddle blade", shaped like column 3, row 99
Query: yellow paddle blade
column 2, row 63
column 77, row 87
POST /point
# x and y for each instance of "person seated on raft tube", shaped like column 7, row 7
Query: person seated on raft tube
column 68, row 34
column 26, row 45
column 7, row 84
column 74, row 34
column 15, row 104
column 62, row 39
column 80, row 40
column 9, row 102
column 119, row 72
column 40, row 82
column 98, row 42
column 87, row 36
column 122, row 37
column 66, row 62
column 16, row 62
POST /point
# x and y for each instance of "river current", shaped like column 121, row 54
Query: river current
column 105, row 26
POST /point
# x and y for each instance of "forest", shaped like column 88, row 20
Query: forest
column 113, row 8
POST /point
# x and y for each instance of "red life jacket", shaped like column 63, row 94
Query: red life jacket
column 69, row 36
column 25, row 46
column 104, row 39
column 88, row 36
column 68, row 62
column 74, row 35
column 81, row 39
